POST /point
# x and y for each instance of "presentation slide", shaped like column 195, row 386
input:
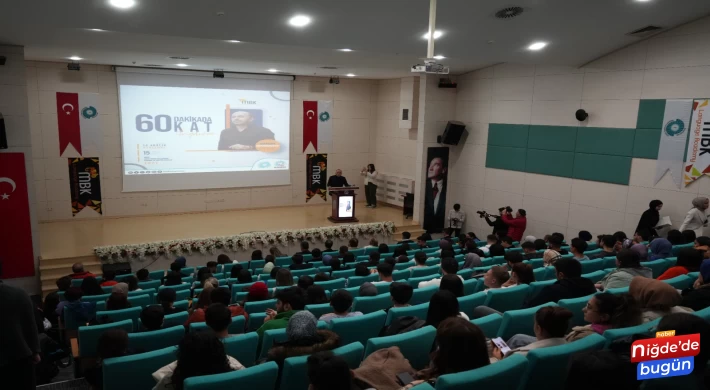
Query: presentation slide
column 345, row 206
column 195, row 132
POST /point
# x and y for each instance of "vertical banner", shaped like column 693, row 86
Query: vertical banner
column 15, row 227
column 85, row 184
column 78, row 122
column 316, row 175
column 698, row 161
column 317, row 124
column 674, row 135
column 435, row 189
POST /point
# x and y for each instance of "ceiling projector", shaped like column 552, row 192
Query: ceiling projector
column 430, row 66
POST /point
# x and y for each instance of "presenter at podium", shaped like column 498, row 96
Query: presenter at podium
column 338, row 180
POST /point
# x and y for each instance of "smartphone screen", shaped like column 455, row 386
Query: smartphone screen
column 501, row 345
column 404, row 378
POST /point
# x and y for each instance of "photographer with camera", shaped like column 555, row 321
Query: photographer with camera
column 516, row 226
column 500, row 228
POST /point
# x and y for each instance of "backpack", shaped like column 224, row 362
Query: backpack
column 403, row 325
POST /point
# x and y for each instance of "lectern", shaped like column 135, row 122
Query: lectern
column 343, row 204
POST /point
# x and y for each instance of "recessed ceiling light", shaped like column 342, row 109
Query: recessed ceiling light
column 439, row 57
column 123, row 4
column 299, row 21
column 181, row 65
column 537, row 46
column 272, row 70
column 75, row 58
column 345, row 49
column 351, row 74
column 437, row 35
column 234, row 41
column 643, row 1
column 96, row 29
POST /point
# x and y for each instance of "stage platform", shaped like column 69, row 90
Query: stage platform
column 66, row 242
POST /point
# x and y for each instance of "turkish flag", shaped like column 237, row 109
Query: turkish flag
column 68, row 121
column 310, row 124
column 16, row 253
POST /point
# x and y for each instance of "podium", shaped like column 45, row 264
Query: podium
column 343, row 204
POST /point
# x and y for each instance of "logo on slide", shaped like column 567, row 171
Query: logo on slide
column 89, row 112
column 324, row 116
column 674, row 127
column 264, row 164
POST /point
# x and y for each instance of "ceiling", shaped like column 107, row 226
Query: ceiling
column 386, row 35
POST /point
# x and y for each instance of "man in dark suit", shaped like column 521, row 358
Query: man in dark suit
column 435, row 196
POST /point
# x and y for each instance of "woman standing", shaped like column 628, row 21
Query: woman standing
column 649, row 219
column 696, row 218
column 370, row 187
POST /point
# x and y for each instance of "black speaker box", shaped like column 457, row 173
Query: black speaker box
column 118, row 268
column 453, row 132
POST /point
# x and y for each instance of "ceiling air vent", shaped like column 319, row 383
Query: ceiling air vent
column 645, row 31
column 509, row 12
column 179, row 58
column 329, row 67
column 153, row 65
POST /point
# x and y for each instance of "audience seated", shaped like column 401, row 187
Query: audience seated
column 512, row 258
column 257, row 255
column 327, row 372
column 348, row 257
column 198, row 354
column 342, row 251
column 223, row 259
column 551, row 323
column 384, row 270
column 90, row 286
column 243, row 276
column 496, row 250
column 78, row 272
column 607, row 311
column 304, row 248
column 521, row 274
column 52, row 301
column 315, row 295
column 373, row 243
column 449, row 266
column 688, row 260
column 353, row 243
column 494, row 278
column 304, row 338
column 452, row 283
column 569, row 284
column 321, row 277
column 442, row 305
column 341, row 302
column 698, row 297
column 81, row 312
column 289, row 301
column 297, row 263
column 284, row 278
column 628, row 266
column 316, row 255
column 173, row 279
column 702, row 244
column 166, row 298
column 362, row 270
column 216, row 295
column 305, row 281
column 118, row 299
column 421, row 242
column 132, row 283
column 607, row 243
column 401, row 294
column 218, row 317
column 374, row 258
column 555, row 252
column 661, row 248
column 257, row 292
column 530, row 251
column 383, row 248
column 109, row 279
column 491, row 240
column 270, row 262
column 328, row 245
column 675, row 237
column 506, row 242
column 656, row 298
column 152, row 318
column 367, row 290
column 540, row 244
column 472, row 260
column 111, row 344
column 143, row 275
column 403, row 259
column 578, row 247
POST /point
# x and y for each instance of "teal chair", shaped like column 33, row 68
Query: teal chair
column 403, row 266
column 89, row 335
column 175, row 319
column 150, row 292
column 693, row 275
column 132, row 314
column 180, row 295
column 671, row 261
column 240, row 296
column 620, row 290
column 704, row 313
column 140, row 300
column 676, row 249
column 135, row 371
column 182, row 304
column 320, row 309
column 536, row 287
column 433, row 243
column 609, row 262
column 304, row 272
column 259, row 306
column 614, row 334
column 592, row 265
column 537, row 263
column 153, row 284
column 420, row 311
column 382, row 288
column 157, row 339
column 414, row 282
column 425, row 271
column 400, row 275
column 107, row 289
column 520, row 321
column 358, row 329
column 236, row 327
column 575, row 305
column 595, row 276
column 284, row 261
column 254, row 264
column 332, row 284
column 593, row 252
column 242, row 347
column 256, row 320
column 489, row 324
column 178, row 287
column 432, row 261
column 657, row 266
column 504, row 299
column 156, row 275
column 226, row 268
column 95, row 298
column 544, row 273
column 372, row 304
column 262, row 376
column 422, row 295
column 414, row 345
column 346, row 273
column 591, row 246
column 272, row 336
column 294, row 375
column 357, row 281
column 547, row 368
column 471, row 286
column 500, row 375
column 680, row 282
column 465, row 273
column 469, row 302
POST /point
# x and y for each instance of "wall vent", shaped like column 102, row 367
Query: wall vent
column 509, row 12
column 645, row 32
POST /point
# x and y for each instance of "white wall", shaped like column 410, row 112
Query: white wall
column 349, row 151
column 675, row 64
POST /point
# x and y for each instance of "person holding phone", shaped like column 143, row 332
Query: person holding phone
column 551, row 324
column 370, row 187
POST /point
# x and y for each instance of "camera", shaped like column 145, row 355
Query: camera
column 481, row 214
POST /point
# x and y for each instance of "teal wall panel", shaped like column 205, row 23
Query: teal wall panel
column 561, row 138
column 650, row 115
column 547, row 162
column 604, row 168
column 602, row 140
column 503, row 157
column 515, row 136
column 646, row 143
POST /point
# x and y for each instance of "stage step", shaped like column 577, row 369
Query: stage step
column 51, row 269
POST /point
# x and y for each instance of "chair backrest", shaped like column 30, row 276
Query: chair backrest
column 272, row 336
column 469, row 302
column 357, row 281
column 177, row 287
column 489, row 324
column 400, row 275
column 95, row 298
column 360, row 328
column 294, row 375
column 547, row 368
column 504, row 299
column 614, row 334
column 414, row 345
column 680, row 282
column 575, row 305
column 346, row 273
column 657, row 266
column 609, row 262
column 171, row 320
column 142, row 300
column 89, row 335
column 157, row 339
column 536, row 287
column 520, row 321
column 332, row 284
column 676, row 249
column 153, row 284
column 255, row 321
column 465, row 273
column 704, row 313
column 149, row 292
column 592, row 265
column 424, row 271
column 259, row 306
column 501, row 375
column 304, row 272
column 422, row 295
column 262, row 376
column 132, row 313
column 471, row 286
column 254, row 264
column 372, row 304
column 319, row 309
column 419, row 311
column 414, row 282
column 242, row 347
column 595, row 276
column 619, row 290
column 236, row 327
column 283, row 261
column 135, row 371
column 107, row 289
column 157, row 275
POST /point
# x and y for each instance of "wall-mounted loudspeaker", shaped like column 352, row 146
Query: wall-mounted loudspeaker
column 453, row 132
column 581, row 115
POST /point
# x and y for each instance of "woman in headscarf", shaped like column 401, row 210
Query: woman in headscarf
column 689, row 260
column 649, row 219
column 304, row 338
column 660, row 249
column 696, row 219
column 698, row 297
column 472, row 260
column 530, row 239
column 642, row 250
column 656, row 298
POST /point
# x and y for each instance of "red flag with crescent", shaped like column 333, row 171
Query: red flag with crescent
column 310, row 124
column 79, row 124
column 16, row 251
